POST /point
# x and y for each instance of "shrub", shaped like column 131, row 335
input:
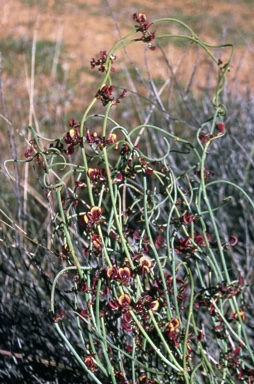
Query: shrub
column 143, row 290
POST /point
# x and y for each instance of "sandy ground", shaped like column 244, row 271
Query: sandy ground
column 86, row 26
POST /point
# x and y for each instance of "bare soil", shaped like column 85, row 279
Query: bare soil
column 84, row 27
column 87, row 27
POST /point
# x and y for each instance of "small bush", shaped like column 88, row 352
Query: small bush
column 142, row 285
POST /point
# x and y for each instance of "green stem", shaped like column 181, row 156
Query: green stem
column 67, row 233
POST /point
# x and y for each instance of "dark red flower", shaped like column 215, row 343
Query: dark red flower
column 136, row 234
column 69, row 150
column 29, row 152
column 90, row 362
column 92, row 137
column 59, row 315
column 159, row 242
column 127, row 317
column 152, row 47
column 204, row 137
column 212, row 312
column 96, row 241
column 105, row 94
column 84, row 287
column 124, row 300
column 73, row 123
column 123, row 94
column 72, row 137
column 145, row 264
column 154, row 305
column 148, row 171
column 97, row 174
column 124, row 275
column 80, row 183
column 112, row 273
column 172, row 325
column 129, row 348
column 125, row 149
column 188, row 218
column 121, row 378
column 92, row 218
column 139, row 17
column 126, row 326
column 117, row 177
column 113, row 304
column 200, row 239
column 207, row 174
column 174, row 337
column 114, row 235
column 220, row 127
column 233, row 240
column 84, row 313
column 184, row 245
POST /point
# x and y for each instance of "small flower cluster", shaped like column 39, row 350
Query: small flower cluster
column 99, row 141
column 205, row 137
column 151, row 300
column 72, row 137
column 105, row 94
column 189, row 246
column 101, row 62
column 91, row 219
column 224, row 66
column 143, row 27
column 210, row 296
column 207, row 174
